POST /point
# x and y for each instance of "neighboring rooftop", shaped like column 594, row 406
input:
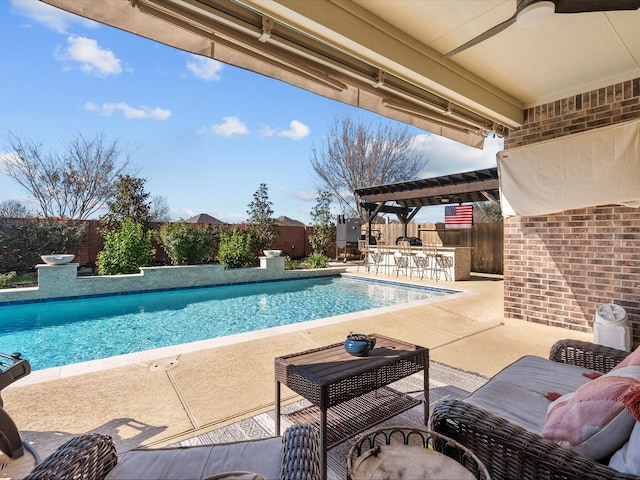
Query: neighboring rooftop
column 203, row 218
column 289, row 222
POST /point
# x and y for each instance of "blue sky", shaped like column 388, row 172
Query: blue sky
column 204, row 135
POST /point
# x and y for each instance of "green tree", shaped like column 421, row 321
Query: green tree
column 324, row 228
column 73, row 184
column 262, row 225
column 129, row 202
column 356, row 155
column 125, row 250
column 236, row 249
column 185, row 244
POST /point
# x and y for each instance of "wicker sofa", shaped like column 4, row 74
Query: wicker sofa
column 510, row 451
column 93, row 457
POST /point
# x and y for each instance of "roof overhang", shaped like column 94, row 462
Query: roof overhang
column 342, row 54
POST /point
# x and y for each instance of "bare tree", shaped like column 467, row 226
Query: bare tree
column 73, row 184
column 14, row 209
column 357, row 155
column 160, row 209
column 487, row 212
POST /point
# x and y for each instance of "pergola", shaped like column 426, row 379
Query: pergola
column 405, row 199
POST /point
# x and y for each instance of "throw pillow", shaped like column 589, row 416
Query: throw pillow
column 632, row 359
column 593, row 420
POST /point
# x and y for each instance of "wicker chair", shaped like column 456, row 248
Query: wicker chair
column 92, row 456
column 511, row 452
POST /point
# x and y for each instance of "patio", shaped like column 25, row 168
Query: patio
column 159, row 401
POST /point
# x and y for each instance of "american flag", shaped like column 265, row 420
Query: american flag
column 458, row 216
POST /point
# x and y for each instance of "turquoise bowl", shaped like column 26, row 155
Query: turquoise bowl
column 359, row 344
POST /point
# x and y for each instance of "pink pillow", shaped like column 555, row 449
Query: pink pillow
column 632, row 359
column 593, row 419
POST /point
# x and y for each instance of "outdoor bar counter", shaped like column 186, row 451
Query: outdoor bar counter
column 461, row 269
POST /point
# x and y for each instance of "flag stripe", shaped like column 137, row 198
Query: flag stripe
column 458, row 215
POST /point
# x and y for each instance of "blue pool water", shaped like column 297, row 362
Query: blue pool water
column 56, row 333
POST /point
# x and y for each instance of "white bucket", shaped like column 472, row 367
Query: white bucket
column 612, row 327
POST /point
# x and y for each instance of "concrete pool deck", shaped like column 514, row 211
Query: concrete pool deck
column 164, row 396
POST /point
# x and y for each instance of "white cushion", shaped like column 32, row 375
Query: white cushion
column 181, row 463
column 519, row 392
column 627, row 459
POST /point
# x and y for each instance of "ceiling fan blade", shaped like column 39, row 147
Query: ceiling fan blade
column 583, row 6
column 482, row 37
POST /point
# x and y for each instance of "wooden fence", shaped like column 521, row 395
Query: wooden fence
column 486, row 240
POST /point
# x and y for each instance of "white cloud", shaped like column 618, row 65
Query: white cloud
column 297, row 130
column 231, row 126
column 267, row 131
column 54, row 18
column 131, row 113
column 6, row 158
column 448, row 156
column 230, row 217
column 205, row 68
column 305, row 195
column 92, row 58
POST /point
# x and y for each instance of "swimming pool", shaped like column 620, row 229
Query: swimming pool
column 56, row 333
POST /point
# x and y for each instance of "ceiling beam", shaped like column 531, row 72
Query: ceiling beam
column 435, row 191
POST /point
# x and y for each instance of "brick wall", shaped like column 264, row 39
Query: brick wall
column 559, row 268
column 585, row 111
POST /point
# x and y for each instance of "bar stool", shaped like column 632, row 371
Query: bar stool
column 363, row 248
column 406, row 257
column 385, row 254
column 440, row 263
column 377, row 256
column 421, row 264
column 444, row 264
column 401, row 262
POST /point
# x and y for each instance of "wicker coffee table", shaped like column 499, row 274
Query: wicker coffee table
column 355, row 388
column 404, row 452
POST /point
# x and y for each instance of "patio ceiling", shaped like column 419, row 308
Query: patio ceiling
column 387, row 56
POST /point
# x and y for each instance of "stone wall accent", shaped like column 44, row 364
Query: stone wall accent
column 559, row 268
column 62, row 281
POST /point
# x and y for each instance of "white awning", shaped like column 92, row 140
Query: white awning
column 597, row 167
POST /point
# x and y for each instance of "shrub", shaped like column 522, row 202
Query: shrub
column 290, row 264
column 185, row 244
column 22, row 242
column 5, row 278
column 125, row 250
column 316, row 260
column 236, row 249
